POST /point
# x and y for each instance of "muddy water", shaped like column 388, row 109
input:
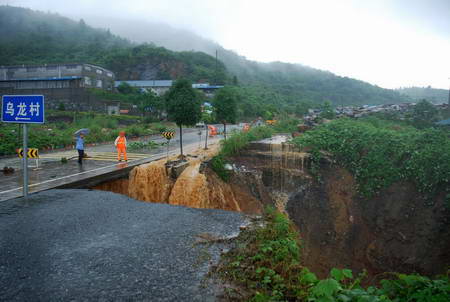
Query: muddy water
column 152, row 183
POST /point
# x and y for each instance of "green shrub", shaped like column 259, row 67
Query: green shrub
column 286, row 125
column 158, row 127
column 240, row 140
column 217, row 164
column 379, row 154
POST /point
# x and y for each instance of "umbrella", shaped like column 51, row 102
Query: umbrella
column 83, row 131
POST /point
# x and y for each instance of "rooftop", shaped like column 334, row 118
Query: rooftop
column 146, row 83
column 164, row 83
column 44, row 79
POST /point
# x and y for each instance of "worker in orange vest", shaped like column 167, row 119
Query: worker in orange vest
column 121, row 144
column 212, row 130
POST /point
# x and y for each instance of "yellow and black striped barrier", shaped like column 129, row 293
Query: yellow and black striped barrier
column 32, row 153
column 168, row 134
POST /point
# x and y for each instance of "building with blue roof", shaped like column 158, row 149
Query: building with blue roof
column 162, row 86
column 444, row 122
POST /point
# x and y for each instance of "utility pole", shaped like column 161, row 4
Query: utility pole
column 449, row 95
column 216, row 79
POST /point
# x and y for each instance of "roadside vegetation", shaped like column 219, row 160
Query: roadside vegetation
column 266, row 265
column 58, row 133
column 240, row 139
column 379, row 153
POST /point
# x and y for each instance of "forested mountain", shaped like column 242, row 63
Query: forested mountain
column 32, row 37
column 28, row 36
column 292, row 82
column 428, row 93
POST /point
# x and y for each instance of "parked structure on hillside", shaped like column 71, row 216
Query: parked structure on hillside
column 159, row 87
column 63, row 85
column 54, row 76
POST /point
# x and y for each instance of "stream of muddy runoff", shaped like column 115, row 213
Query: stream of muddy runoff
column 396, row 231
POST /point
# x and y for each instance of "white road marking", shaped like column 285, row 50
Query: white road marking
column 71, row 175
column 160, row 155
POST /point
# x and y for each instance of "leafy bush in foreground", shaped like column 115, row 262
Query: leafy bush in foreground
column 266, row 267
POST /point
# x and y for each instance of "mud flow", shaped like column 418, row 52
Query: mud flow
column 397, row 230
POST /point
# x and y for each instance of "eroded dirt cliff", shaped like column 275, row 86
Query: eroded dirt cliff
column 396, row 230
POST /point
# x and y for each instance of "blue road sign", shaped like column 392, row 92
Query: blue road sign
column 23, row 109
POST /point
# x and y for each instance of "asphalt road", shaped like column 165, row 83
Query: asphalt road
column 52, row 173
column 81, row 245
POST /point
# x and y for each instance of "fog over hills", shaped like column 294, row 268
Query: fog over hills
column 296, row 81
column 33, row 36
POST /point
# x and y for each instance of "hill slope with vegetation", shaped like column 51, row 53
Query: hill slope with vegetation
column 33, row 37
column 291, row 82
column 425, row 93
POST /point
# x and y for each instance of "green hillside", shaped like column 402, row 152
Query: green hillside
column 33, row 37
column 291, row 82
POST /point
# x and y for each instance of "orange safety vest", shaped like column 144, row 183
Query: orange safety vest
column 121, row 141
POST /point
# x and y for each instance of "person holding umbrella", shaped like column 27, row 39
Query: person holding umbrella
column 121, row 144
column 80, row 147
column 79, row 138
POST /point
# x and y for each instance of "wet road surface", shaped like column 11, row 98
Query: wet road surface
column 82, row 245
column 53, row 173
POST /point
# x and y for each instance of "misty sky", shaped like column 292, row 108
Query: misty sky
column 391, row 43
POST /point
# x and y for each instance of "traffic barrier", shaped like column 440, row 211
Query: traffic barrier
column 32, row 153
column 168, row 134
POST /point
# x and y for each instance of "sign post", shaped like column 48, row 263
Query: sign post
column 168, row 135
column 23, row 109
column 25, row 160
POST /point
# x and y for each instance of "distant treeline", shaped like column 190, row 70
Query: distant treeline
column 430, row 94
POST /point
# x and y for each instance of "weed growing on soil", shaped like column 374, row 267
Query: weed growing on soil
column 265, row 266
column 380, row 154
column 218, row 166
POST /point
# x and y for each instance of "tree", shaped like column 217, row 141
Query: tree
column 424, row 114
column 150, row 102
column 126, row 88
column 327, row 111
column 301, row 108
column 225, row 105
column 183, row 107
